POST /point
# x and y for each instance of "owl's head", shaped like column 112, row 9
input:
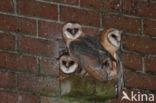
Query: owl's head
column 72, row 30
column 68, row 64
column 114, row 37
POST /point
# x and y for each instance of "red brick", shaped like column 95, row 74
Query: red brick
column 142, row 81
column 47, row 29
column 91, row 32
column 9, row 97
column 140, row 44
column 37, row 9
column 73, row 2
column 49, row 66
column 54, row 30
column 108, row 5
column 62, row 45
column 126, row 24
column 150, row 27
column 6, row 5
column 17, row 24
column 133, row 61
column 150, row 64
column 7, row 42
column 44, row 85
column 139, row 8
column 38, row 46
column 17, row 62
column 79, row 15
column 7, row 80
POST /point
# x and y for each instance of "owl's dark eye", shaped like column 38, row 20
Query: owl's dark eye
column 69, row 30
column 113, row 36
column 71, row 63
column 106, row 64
column 76, row 30
column 64, row 62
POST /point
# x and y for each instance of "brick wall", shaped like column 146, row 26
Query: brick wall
column 30, row 39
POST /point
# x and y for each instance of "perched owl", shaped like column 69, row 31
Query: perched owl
column 71, row 31
column 111, row 40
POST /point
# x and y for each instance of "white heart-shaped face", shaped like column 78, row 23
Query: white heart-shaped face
column 68, row 64
column 115, row 37
column 72, row 26
column 69, row 70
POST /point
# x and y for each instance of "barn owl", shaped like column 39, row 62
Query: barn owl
column 110, row 40
column 71, row 31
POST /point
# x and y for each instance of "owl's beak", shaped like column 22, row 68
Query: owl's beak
column 67, row 65
column 73, row 32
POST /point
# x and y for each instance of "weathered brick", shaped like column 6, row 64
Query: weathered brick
column 150, row 27
column 124, row 23
column 73, row 2
column 17, row 62
column 7, row 42
column 150, row 64
column 17, row 24
column 47, row 29
column 133, row 61
column 79, row 15
column 38, row 46
column 91, row 32
column 6, row 5
column 108, row 5
column 140, row 44
column 53, row 100
column 54, row 30
column 141, row 81
column 38, row 84
column 61, row 43
column 37, row 9
column 139, row 8
column 49, row 66
column 9, row 97
column 7, row 80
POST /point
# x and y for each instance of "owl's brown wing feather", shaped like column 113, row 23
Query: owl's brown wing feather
column 79, row 47
column 89, row 59
column 98, row 74
column 95, row 45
